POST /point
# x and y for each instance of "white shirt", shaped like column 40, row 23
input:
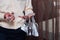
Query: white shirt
column 16, row 6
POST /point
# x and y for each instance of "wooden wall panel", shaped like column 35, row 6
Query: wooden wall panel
column 45, row 10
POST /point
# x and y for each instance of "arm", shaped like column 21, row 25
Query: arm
column 28, row 9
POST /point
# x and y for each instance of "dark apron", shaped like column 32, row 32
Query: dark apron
column 12, row 34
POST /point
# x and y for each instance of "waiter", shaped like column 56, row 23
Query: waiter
column 12, row 18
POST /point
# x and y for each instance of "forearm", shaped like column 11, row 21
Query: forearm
column 29, row 9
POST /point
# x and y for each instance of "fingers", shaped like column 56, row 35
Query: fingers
column 30, row 15
column 8, row 16
column 12, row 18
column 21, row 16
column 24, row 17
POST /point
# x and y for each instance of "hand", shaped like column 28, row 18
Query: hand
column 30, row 15
column 27, row 16
column 9, row 16
column 24, row 17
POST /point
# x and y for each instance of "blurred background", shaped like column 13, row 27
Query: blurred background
column 48, row 19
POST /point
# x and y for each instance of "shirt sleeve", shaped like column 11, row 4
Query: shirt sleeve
column 1, row 16
column 28, row 7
